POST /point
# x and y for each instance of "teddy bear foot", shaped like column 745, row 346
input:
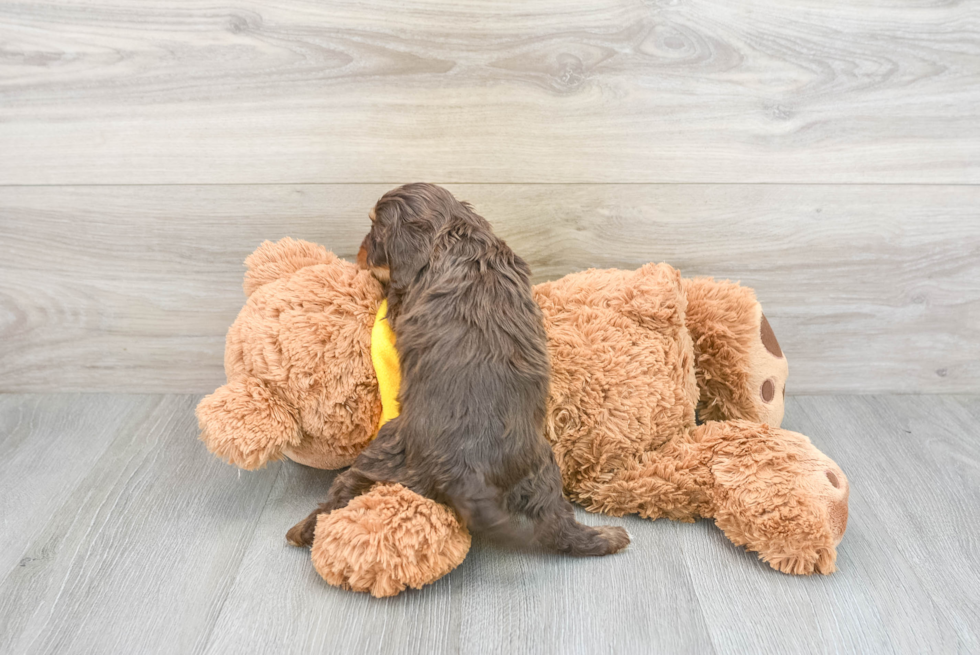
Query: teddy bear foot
column 387, row 540
column 819, row 560
column 777, row 495
column 825, row 491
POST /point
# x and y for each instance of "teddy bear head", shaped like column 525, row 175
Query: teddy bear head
column 300, row 379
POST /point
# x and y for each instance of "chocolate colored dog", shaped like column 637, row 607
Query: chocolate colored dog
column 475, row 372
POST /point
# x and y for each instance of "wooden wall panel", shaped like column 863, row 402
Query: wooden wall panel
column 131, row 288
column 174, row 91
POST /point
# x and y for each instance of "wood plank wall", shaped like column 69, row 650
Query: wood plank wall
column 825, row 153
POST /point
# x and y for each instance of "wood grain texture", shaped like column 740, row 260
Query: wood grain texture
column 908, row 564
column 48, row 445
column 923, row 503
column 134, row 549
column 148, row 545
column 98, row 91
column 131, row 288
column 528, row 602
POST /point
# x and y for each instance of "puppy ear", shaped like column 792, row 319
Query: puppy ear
column 408, row 247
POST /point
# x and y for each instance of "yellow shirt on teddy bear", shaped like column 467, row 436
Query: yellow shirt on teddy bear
column 386, row 367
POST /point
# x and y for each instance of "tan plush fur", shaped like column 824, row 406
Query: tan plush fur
column 633, row 353
column 621, row 419
column 731, row 361
column 388, row 539
column 622, row 379
column 298, row 361
column 772, row 493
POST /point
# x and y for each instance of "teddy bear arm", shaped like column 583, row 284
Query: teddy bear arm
column 671, row 481
column 246, row 423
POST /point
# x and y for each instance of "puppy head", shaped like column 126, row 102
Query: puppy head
column 404, row 223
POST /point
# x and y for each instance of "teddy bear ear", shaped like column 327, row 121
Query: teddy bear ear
column 273, row 261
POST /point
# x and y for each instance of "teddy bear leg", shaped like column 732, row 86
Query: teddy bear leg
column 247, row 424
column 672, row 481
column 776, row 494
column 740, row 368
column 387, row 540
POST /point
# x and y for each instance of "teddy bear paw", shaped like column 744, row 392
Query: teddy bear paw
column 386, row 540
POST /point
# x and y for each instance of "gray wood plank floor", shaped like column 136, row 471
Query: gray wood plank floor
column 122, row 534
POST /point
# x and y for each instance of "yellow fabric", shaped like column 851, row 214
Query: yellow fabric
column 385, row 360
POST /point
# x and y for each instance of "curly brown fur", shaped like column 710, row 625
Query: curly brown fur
column 475, row 374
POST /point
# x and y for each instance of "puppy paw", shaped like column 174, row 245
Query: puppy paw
column 616, row 538
column 303, row 532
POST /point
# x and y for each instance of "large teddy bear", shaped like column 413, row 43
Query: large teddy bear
column 665, row 401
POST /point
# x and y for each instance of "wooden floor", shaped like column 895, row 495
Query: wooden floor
column 121, row 534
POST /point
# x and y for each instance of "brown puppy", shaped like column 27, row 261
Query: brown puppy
column 475, row 371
